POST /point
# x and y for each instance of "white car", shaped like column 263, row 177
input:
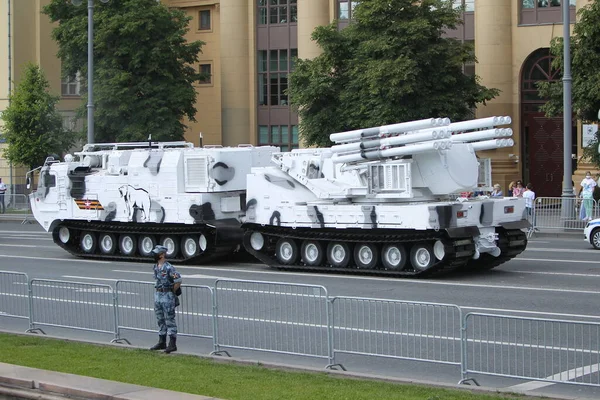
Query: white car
column 592, row 233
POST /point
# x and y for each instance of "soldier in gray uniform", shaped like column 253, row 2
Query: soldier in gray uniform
column 168, row 281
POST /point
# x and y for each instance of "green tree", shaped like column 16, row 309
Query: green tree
column 144, row 71
column 585, row 69
column 33, row 128
column 391, row 64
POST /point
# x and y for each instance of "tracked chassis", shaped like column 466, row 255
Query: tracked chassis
column 394, row 253
column 134, row 242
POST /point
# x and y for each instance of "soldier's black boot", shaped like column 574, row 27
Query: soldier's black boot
column 172, row 345
column 162, row 343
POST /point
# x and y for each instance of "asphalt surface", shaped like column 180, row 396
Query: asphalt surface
column 556, row 277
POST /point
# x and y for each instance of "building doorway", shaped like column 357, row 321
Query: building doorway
column 542, row 137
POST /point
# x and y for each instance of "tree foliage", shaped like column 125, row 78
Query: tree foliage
column 143, row 66
column 391, row 64
column 585, row 71
column 33, row 128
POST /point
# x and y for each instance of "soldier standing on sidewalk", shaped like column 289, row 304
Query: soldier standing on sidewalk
column 168, row 281
column 2, row 193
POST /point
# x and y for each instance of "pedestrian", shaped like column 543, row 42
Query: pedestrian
column 497, row 192
column 168, row 281
column 588, row 185
column 518, row 189
column 511, row 187
column 529, row 196
column 2, row 193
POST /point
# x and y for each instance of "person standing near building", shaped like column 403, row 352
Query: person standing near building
column 497, row 192
column 168, row 281
column 511, row 187
column 587, row 193
column 2, row 193
column 529, row 196
column 518, row 189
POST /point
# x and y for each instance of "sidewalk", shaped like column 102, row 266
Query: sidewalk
column 29, row 383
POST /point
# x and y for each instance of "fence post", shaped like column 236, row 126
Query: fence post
column 463, row 353
column 330, row 326
column 215, row 315
column 32, row 328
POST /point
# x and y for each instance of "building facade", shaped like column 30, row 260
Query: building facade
column 250, row 50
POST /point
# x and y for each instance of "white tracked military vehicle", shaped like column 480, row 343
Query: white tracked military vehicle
column 118, row 200
column 385, row 200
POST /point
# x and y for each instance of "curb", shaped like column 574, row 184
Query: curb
column 563, row 235
column 50, row 385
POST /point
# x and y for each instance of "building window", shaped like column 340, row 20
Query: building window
column 206, row 70
column 467, row 5
column 535, row 12
column 277, row 11
column 70, row 86
column 273, row 75
column 346, row 8
column 204, row 19
column 284, row 136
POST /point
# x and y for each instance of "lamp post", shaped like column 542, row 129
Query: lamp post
column 567, row 106
column 90, row 80
column 568, row 198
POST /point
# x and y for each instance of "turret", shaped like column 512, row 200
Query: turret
column 422, row 159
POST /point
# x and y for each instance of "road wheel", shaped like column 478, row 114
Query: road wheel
column 146, row 245
column 64, row 234
column 203, row 243
column 88, row 242
column 171, row 242
column 108, row 243
column 312, row 252
column 393, row 257
column 421, row 256
column 366, row 255
column 127, row 244
column 595, row 238
column 339, row 254
column 286, row 251
column 189, row 246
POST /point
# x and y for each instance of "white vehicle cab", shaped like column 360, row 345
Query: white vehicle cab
column 592, row 233
column 119, row 200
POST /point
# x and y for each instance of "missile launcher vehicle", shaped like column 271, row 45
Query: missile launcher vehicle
column 385, row 201
column 118, row 200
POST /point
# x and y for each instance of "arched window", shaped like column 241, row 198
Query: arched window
column 537, row 67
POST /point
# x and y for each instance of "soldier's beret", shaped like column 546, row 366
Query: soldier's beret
column 159, row 249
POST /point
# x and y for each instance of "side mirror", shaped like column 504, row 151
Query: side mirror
column 28, row 182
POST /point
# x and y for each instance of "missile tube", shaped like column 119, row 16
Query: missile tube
column 492, row 144
column 481, row 135
column 393, row 152
column 387, row 129
column 479, row 123
column 392, row 141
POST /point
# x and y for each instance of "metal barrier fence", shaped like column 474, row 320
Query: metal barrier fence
column 14, row 294
column 301, row 320
column 397, row 329
column 559, row 213
column 135, row 309
column 16, row 202
column 531, row 348
column 271, row 316
column 75, row 305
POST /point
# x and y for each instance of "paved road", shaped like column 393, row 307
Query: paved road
column 554, row 278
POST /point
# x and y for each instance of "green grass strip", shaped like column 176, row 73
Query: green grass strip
column 206, row 377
